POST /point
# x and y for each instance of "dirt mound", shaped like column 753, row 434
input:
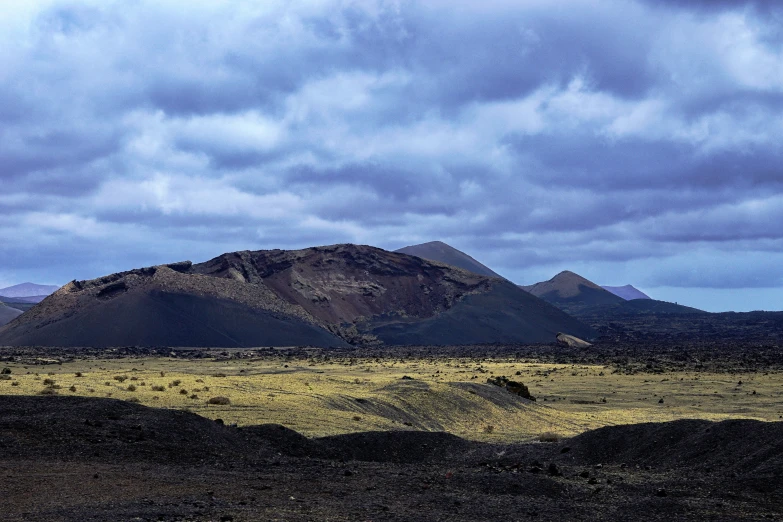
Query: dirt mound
column 443, row 253
column 742, row 446
column 79, row 428
column 323, row 296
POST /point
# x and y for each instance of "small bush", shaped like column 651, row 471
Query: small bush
column 219, row 400
column 158, row 387
column 120, row 378
column 131, row 388
column 549, row 437
column 194, row 396
column 183, row 391
column 134, row 378
column 15, row 383
column 72, row 388
column 489, row 428
column 48, row 391
column 5, row 371
column 175, row 383
column 78, row 374
column 4, row 377
column 48, row 382
column 357, row 418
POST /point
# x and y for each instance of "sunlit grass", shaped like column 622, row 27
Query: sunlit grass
column 323, row 397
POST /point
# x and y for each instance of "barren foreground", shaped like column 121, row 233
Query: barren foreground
column 453, row 447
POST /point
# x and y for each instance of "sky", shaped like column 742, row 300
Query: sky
column 628, row 141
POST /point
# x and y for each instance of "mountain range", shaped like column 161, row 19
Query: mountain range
column 320, row 296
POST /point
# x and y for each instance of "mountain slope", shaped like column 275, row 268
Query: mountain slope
column 627, row 292
column 28, row 290
column 8, row 314
column 322, row 296
column 443, row 253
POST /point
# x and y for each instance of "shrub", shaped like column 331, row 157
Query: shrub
column 219, row 400
column 158, row 387
column 15, row 383
column 48, row 391
column 183, row 391
column 78, row 374
column 5, row 371
column 489, row 428
column 120, row 378
column 4, row 377
column 131, row 388
column 175, row 383
column 72, row 388
column 194, row 396
column 48, row 382
column 549, row 437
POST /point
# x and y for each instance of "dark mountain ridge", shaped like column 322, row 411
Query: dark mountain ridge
column 321, row 296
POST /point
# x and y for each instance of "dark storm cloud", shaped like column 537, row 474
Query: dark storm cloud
column 623, row 139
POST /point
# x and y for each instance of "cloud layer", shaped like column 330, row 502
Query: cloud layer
column 630, row 141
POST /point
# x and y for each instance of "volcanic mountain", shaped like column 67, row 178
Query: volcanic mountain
column 584, row 299
column 443, row 253
column 627, row 292
column 572, row 292
column 321, row 296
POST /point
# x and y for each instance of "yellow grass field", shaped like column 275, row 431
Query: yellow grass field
column 324, row 397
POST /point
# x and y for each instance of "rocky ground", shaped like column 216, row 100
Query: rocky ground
column 72, row 458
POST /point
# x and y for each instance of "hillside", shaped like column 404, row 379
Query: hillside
column 321, row 296
column 599, row 308
column 627, row 292
column 8, row 314
column 443, row 253
column 572, row 292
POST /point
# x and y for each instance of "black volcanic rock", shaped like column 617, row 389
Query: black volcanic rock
column 443, row 253
column 324, row 296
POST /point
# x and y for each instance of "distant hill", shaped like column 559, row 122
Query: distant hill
column 443, row 253
column 8, row 314
column 321, row 296
column 584, row 299
column 28, row 290
column 627, row 292
column 572, row 292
